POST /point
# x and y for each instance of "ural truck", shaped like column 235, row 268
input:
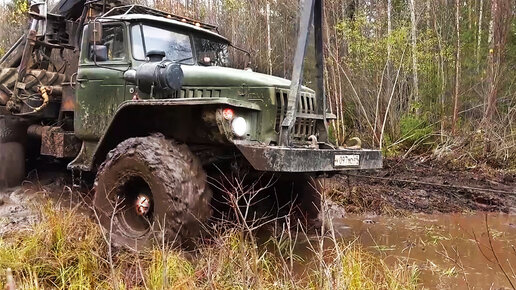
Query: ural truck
column 145, row 100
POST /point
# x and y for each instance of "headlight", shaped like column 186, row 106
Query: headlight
column 239, row 126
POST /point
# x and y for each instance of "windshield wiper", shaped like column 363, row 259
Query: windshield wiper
column 180, row 61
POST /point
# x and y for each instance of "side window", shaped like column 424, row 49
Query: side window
column 112, row 43
column 138, row 49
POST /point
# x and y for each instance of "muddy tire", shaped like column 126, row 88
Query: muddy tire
column 264, row 197
column 12, row 151
column 303, row 193
column 158, row 170
column 12, row 164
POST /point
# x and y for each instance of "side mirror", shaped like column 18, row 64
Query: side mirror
column 95, row 32
column 98, row 52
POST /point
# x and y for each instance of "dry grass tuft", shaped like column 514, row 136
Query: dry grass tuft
column 67, row 250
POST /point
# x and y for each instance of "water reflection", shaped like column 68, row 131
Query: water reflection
column 451, row 250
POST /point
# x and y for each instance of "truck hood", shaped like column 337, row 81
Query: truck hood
column 221, row 76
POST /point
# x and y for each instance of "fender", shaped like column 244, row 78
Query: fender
column 143, row 117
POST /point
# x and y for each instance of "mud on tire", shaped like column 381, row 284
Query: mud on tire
column 263, row 197
column 12, row 151
column 169, row 175
column 12, row 164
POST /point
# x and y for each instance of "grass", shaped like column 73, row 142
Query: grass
column 66, row 249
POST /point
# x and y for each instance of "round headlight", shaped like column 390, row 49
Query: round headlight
column 239, row 126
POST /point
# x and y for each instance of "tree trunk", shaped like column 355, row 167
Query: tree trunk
column 427, row 12
column 413, row 34
column 389, row 87
column 457, row 68
column 501, row 15
column 269, row 48
column 479, row 34
column 389, row 28
column 438, row 32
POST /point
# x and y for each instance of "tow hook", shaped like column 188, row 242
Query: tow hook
column 315, row 143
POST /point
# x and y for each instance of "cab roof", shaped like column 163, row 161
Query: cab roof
column 134, row 13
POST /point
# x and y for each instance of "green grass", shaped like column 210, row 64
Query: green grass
column 67, row 250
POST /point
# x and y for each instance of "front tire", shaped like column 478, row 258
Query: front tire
column 262, row 197
column 150, row 188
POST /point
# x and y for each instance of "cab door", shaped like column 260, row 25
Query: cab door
column 100, row 83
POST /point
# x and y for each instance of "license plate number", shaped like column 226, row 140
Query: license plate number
column 347, row 160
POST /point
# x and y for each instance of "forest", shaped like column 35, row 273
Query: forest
column 431, row 83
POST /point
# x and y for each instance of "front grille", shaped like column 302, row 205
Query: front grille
column 281, row 108
column 307, row 105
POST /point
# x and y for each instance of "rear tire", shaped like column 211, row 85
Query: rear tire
column 32, row 81
column 164, row 172
column 12, row 151
column 12, row 164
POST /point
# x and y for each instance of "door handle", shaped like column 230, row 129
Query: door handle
column 81, row 80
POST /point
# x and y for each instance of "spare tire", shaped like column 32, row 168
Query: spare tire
column 33, row 79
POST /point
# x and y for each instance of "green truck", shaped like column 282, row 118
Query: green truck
column 147, row 101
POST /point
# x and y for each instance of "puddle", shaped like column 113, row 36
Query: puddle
column 451, row 250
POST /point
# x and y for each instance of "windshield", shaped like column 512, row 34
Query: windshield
column 178, row 46
column 211, row 52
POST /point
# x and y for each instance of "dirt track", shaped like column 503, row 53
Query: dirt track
column 20, row 206
column 389, row 233
column 406, row 186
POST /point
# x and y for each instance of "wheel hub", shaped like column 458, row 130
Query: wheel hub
column 143, row 204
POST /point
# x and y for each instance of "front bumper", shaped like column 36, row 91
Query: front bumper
column 285, row 159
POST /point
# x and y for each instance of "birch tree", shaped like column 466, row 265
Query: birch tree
column 479, row 33
column 413, row 35
column 269, row 48
column 457, row 67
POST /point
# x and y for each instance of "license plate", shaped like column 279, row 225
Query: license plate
column 347, row 160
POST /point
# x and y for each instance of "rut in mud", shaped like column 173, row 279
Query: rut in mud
column 408, row 186
column 20, row 206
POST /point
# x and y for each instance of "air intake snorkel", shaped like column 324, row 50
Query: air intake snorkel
column 156, row 74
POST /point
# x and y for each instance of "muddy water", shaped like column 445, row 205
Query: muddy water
column 450, row 250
